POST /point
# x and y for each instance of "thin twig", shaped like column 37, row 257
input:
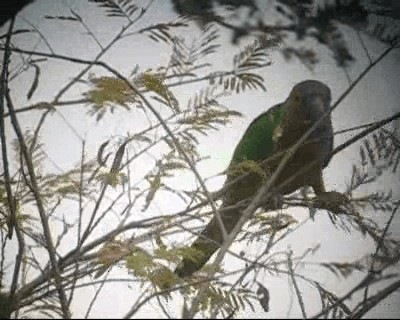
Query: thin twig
column 80, row 215
column 13, row 222
column 40, row 206
column 3, row 89
column 296, row 287
column 379, row 246
column 93, row 300
column 364, row 46
column 375, row 299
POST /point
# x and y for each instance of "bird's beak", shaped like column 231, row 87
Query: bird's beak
column 315, row 107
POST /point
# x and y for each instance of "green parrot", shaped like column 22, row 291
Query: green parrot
column 264, row 143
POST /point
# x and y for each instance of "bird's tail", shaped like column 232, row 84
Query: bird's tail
column 207, row 243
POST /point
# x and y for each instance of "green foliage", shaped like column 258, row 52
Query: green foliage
column 248, row 166
column 35, row 148
column 112, row 252
column 149, row 268
column 253, row 56
column 190, row 253
column 144, row 265
column 111, row 178
column 162, row 277
column 155, row 84
column 223, row 300
column 205, row 113
column 20, row 217
column 140, row 262
column 155, row 184
column 108, row 92
column 208, row 119
column 170, row 255
column 55, row 186
column 165, row 167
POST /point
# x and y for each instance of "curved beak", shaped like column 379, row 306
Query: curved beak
column 315, row 107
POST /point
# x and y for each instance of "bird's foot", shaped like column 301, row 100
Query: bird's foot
column 309, row 201
column 333, row 201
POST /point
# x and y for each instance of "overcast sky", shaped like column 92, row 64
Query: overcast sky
column 376, row 97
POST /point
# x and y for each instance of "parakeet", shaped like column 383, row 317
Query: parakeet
column 264, row 143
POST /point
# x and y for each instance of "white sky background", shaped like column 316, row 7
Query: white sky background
column 376, row 97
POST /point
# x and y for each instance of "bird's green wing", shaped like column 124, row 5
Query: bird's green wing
column 257, row 143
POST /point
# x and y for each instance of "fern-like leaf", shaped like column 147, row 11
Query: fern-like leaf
column 118, row 8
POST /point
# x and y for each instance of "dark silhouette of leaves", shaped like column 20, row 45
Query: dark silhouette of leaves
column 118, row 8
column 10, row 8
column 320, row 20
column 263, row 296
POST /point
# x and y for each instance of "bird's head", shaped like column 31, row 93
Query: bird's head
column 310, row 99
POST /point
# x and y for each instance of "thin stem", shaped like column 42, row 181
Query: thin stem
column 296, row 287
column 40, row 206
